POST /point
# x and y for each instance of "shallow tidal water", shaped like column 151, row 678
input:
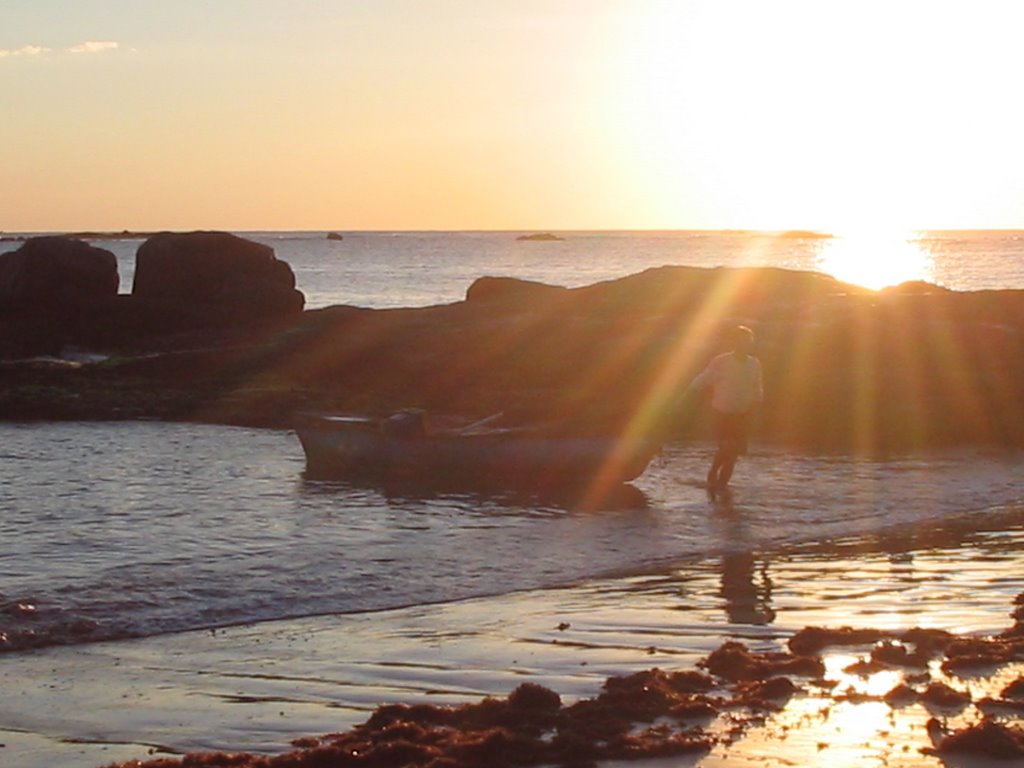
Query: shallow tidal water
column 116, row 530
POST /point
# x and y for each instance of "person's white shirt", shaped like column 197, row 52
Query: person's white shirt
column 736, row 382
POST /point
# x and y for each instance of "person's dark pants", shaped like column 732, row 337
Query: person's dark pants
column 732, row 430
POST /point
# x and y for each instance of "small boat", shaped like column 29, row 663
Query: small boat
column 400, row 449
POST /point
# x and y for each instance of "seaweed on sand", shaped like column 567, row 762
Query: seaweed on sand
column 654, row 713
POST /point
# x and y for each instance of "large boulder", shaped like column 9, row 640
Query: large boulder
column 51, row 288
column 215, row 279
column 55, row 272
column 512, row 289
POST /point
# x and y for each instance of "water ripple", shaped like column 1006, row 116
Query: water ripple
column 139, row 528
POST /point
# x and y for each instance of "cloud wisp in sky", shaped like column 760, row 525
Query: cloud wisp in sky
column 25, row 50
column 89, row 46
column 93, row 46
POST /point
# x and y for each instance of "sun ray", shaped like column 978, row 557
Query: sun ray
column 691, row 333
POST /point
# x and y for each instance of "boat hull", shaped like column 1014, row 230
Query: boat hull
column 492, row 460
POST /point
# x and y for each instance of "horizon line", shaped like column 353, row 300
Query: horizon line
column 810, row 232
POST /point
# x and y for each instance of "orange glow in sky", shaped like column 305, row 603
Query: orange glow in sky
column 460, row 114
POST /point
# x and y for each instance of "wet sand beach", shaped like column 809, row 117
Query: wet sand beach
column 257, row 688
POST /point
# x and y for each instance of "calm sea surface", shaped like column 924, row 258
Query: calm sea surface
column 394, row 269
column 131, row 529
column 134, row 529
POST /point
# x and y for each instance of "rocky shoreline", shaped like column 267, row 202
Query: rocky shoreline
column 214, row 331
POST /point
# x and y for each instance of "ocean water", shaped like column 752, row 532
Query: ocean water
column 395, row 269
column 136, row 529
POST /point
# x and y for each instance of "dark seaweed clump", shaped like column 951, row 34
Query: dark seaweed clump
column 648, row 714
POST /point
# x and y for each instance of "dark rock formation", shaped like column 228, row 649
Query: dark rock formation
column 540, row 237
column 124, row 234
column 334, row 236
column 215, row 279
column 52, row 272
column 846, row 368
column 50, row 288
column 804, row 234
column 57, row 291
column 509, row 289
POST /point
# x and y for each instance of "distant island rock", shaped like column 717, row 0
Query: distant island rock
column 542, row 237
column 804, row 234
column 122, row 235
column 334, row 236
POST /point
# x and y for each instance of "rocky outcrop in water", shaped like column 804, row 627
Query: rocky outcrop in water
column 540, row 237
column 220, row 279
column 49, row 286
column 191, row 289
column 52, row 272
column 846, row 368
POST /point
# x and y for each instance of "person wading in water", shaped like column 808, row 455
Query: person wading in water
column 736, row 389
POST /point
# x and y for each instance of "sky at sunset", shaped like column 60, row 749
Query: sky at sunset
column 488, row 114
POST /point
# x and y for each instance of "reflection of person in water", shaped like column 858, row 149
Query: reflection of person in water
column 746, row 600
column 734, row 379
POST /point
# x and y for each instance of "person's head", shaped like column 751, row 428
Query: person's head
column 741, row 340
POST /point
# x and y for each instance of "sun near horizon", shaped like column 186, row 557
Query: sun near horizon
column 584, row 114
